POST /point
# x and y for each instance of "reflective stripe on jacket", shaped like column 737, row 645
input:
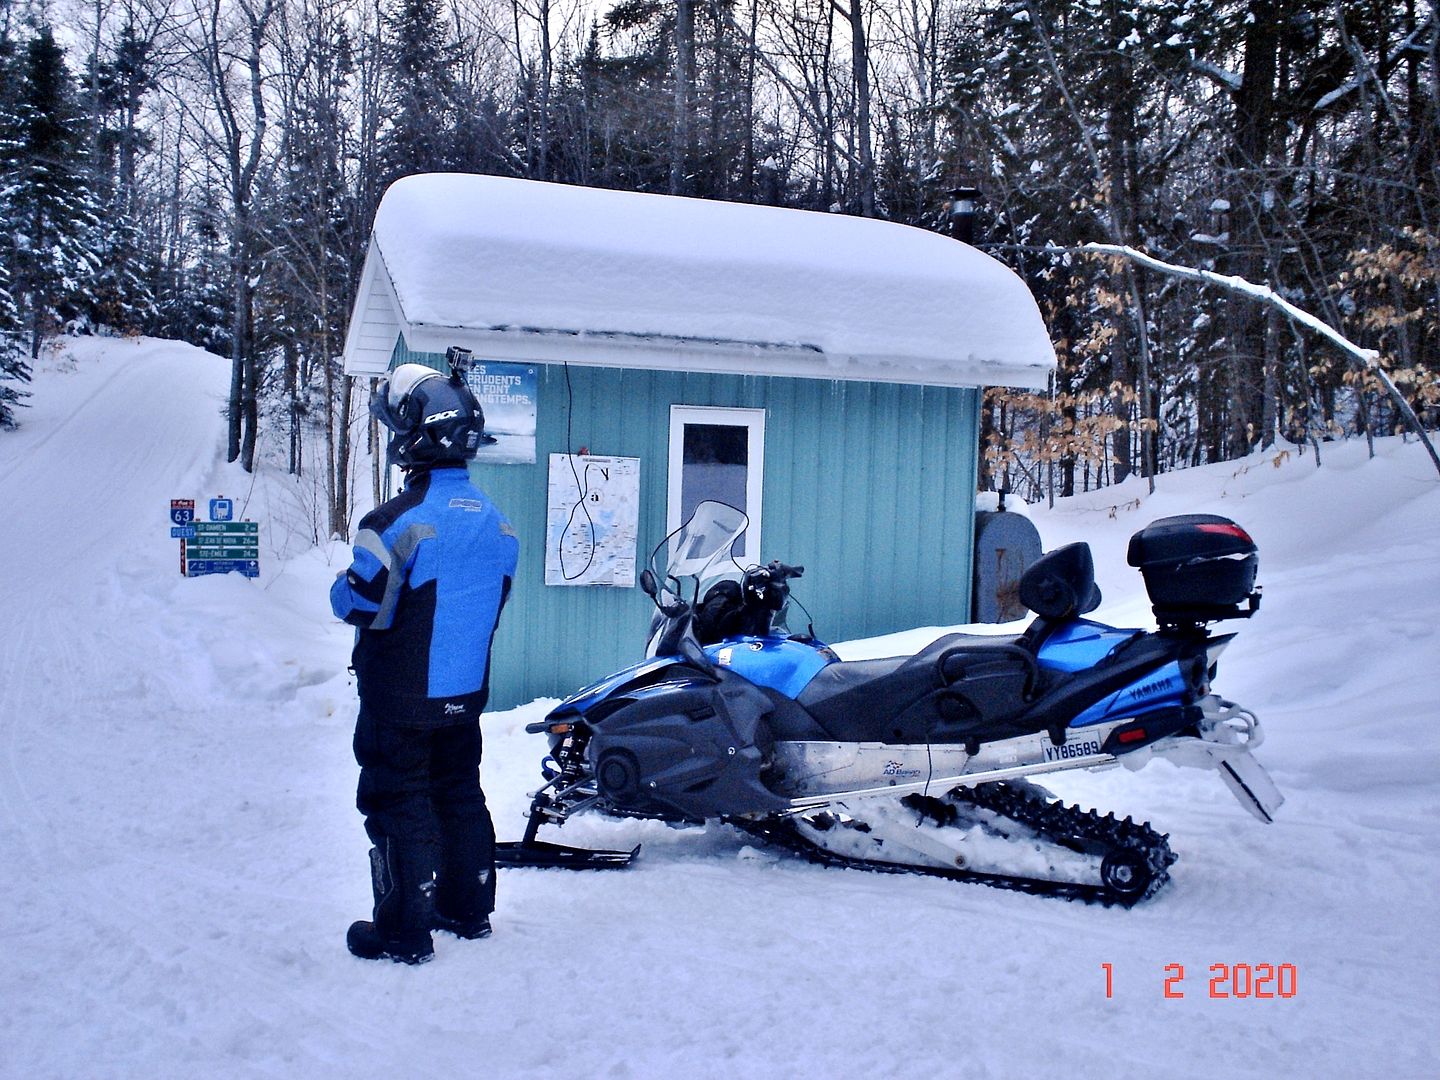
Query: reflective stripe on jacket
column 432, row 568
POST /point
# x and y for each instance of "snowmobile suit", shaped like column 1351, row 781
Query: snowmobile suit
column 431, row 572
column 432, row 569
column 426, row 815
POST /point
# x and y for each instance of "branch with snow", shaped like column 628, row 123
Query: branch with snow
column 1367, row 358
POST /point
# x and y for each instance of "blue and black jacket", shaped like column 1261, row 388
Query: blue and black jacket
column 432, row 569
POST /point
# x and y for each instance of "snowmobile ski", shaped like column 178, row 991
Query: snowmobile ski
column 542, row 855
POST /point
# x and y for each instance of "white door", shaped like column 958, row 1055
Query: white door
column 717, row 454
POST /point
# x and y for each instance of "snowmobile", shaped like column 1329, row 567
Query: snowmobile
column 918, row 763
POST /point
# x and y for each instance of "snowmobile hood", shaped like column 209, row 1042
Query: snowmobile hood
column 588, row 696
column 776, row 662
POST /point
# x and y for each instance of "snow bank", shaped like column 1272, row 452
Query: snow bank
column 183, row 856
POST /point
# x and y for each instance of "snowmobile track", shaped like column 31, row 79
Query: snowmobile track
column 1066, row 825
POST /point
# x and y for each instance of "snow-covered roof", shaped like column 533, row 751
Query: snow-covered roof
column 524, row 270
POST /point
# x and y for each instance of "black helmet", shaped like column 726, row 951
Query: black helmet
column 434, row 419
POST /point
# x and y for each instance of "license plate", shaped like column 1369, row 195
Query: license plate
column 1084, row 746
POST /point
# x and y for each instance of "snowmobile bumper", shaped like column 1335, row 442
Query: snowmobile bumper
column 1251, row 785
column 1243, row 775
column 539, row 854
column 1227, row 735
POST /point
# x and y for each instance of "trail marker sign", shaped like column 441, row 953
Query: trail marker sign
column 217, row 546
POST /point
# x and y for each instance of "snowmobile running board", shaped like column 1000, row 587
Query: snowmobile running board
column 541, row 855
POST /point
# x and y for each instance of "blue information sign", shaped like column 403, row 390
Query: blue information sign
column 182, row 532
column 199, row 567
column 222, row 509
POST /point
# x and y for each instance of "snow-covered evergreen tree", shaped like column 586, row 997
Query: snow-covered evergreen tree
column 421, row 93
column 302, row 311
column 52, row 206
column 198, row 303
column 12, row 357
column 13, row 366
column 123, row 298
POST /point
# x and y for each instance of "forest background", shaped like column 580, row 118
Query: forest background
column 207, row 170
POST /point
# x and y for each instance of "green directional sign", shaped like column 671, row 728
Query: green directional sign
column 227, row 528
column 221, row 551
column 218, row 547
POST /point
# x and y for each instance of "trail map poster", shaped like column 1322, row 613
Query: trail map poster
column 593, row 520
column 508, row 393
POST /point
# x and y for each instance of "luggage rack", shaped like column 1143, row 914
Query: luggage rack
column 1194, row 616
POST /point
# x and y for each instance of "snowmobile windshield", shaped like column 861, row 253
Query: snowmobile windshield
column 701, row 542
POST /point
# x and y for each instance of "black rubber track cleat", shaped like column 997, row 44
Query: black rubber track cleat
column 366, row 941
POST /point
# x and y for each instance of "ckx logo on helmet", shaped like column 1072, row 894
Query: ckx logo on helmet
column 433, row 418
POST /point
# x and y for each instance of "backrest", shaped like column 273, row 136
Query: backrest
column 1061, row 584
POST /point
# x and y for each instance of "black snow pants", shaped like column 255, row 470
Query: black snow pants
column 426, row 815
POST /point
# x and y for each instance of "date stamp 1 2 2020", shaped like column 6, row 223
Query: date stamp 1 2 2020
column 1247, row 982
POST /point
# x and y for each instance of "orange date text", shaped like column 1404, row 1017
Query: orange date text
column 1244, row 982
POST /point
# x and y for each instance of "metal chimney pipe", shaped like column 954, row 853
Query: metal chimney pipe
column 963, row 201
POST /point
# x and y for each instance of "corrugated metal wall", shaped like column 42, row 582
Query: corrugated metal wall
column 869, row 486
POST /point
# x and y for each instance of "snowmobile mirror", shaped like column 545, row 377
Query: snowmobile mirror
column 648, row 584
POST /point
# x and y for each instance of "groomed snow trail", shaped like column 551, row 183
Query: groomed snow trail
column 134, row 876
column 182, row 855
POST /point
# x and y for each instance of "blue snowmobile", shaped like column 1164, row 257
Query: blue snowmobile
column 912, row 763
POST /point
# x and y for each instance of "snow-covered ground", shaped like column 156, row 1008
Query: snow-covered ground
column 181, row 855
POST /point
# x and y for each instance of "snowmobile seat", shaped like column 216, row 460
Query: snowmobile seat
column 965, row 678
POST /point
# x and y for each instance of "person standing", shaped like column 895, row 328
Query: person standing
column 431, row 572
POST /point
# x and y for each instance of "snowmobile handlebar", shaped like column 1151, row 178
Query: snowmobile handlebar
column 765, row 586
column 775, row 572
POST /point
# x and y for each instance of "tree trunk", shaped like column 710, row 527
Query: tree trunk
column 1255, row 109
column 292, row 398
column 1270, row 407
column 748, row 164
column 860, row 61
column 682, row 131
column 340, row 500
column 234, row 411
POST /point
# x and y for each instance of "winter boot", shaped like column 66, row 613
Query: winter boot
column 470, row 929
column 368, row 942
column 465, row 883
column 399, row 930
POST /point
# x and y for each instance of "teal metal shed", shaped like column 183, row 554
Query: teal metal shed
column 822, row 371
